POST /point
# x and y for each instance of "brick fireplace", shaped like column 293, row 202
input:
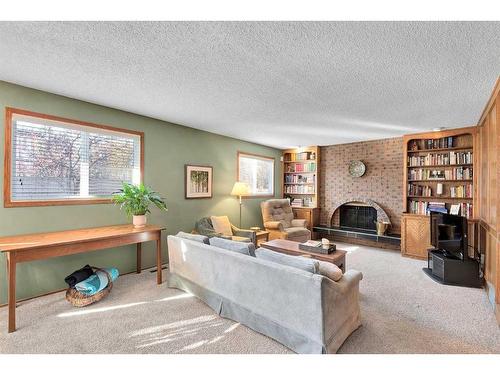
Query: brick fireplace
column 382, row 184
column 358, row 213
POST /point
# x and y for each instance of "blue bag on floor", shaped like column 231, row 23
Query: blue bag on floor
column 96, row 282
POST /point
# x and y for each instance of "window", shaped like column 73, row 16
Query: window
column 258, row 172
column 51, row 160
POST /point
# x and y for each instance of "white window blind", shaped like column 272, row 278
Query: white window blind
column 53, row 160
column 257, row 172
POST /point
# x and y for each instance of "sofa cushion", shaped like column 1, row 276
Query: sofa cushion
column 329, row 270
column 297, row 231
column 237, row 246
column 193, row 237
column 222, row 225
column 306, row 264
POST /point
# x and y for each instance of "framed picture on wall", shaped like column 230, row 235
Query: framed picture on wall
column 198, row 181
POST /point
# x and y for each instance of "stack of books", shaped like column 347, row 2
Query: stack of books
column 296, row 202
column 437, row 207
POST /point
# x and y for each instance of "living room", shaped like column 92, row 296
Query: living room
column 192, row 187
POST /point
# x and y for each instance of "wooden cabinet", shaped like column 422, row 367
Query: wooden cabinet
column 309, row 214
column 415, row 235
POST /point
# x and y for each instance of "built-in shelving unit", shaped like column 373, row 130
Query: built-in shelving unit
column 301, row 182
column 439, row 174
column 300, row 176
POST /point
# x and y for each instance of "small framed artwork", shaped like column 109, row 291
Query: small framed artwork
column 198, row 182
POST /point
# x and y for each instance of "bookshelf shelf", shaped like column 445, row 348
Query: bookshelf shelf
column 445, row 147
column 433, row 150
column 441, row 180
column 440, row 166
column 437, row 198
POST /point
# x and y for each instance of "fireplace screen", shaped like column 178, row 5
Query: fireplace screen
column 358, row 217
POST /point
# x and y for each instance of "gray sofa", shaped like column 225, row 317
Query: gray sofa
column 306, row 312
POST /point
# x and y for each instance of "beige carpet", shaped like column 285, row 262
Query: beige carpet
column 403, row 312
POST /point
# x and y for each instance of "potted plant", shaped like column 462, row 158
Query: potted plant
column 135, row 201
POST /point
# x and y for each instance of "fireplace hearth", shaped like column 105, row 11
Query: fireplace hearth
column 355, row 216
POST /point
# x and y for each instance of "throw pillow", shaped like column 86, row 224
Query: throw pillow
column 239, row 247
column 306, row 264
column 193, row 237
column 329, row 270
column 222, row 225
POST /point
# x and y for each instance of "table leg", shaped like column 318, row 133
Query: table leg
column 158, row 261
column 139, row 256
column 11, row 271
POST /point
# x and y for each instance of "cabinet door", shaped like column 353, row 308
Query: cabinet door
column 415, row 235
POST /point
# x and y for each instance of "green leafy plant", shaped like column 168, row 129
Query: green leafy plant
column 136, row 199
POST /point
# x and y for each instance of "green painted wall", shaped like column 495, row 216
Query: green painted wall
column 168, row 147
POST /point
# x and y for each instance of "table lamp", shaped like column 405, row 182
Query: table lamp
column 240, row 189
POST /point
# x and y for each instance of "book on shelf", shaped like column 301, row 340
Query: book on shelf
column 437, row 207
column 300, row 179
column 299, row 189
column 449, row 158
column 301, row 167
column 300, row 156
column 461, row 191
column 419, row 190
column 424, row 208
column 458, row 173
column 312, row 243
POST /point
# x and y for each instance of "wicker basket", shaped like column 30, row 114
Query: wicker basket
column 78, row 299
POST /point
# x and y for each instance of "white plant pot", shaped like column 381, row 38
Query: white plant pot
column 139, row 221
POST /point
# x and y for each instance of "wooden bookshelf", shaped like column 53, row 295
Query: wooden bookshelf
column 301, row 182
column 446, row 158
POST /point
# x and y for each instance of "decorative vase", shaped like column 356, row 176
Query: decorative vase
column 381, row 227
column 139, row 221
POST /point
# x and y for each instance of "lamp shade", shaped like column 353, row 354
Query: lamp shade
column 240, row 188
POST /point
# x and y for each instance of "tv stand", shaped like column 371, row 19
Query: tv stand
column 450, row 270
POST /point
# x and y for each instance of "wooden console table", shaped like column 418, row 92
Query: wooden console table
column 25, row 248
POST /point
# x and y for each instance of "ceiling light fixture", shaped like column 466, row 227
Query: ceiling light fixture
column 438, row 129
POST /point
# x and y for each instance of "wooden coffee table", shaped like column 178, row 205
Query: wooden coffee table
column 292, row 248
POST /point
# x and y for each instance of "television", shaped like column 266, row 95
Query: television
column 449, row 234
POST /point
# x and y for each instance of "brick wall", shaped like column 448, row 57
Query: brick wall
column 382, row 182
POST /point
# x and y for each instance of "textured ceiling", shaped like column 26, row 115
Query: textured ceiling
column 276, row 83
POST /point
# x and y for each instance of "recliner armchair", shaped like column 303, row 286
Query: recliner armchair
column 278, row 219
column 205, row 227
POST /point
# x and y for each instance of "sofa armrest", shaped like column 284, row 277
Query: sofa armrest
column 276, row 225
column 299, row 223
column 349, row 280
column 341, row 311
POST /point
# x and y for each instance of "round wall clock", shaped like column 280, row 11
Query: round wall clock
column 357, row 168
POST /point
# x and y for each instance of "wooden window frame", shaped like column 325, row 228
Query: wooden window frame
column 7, row 198
column 239, row 153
